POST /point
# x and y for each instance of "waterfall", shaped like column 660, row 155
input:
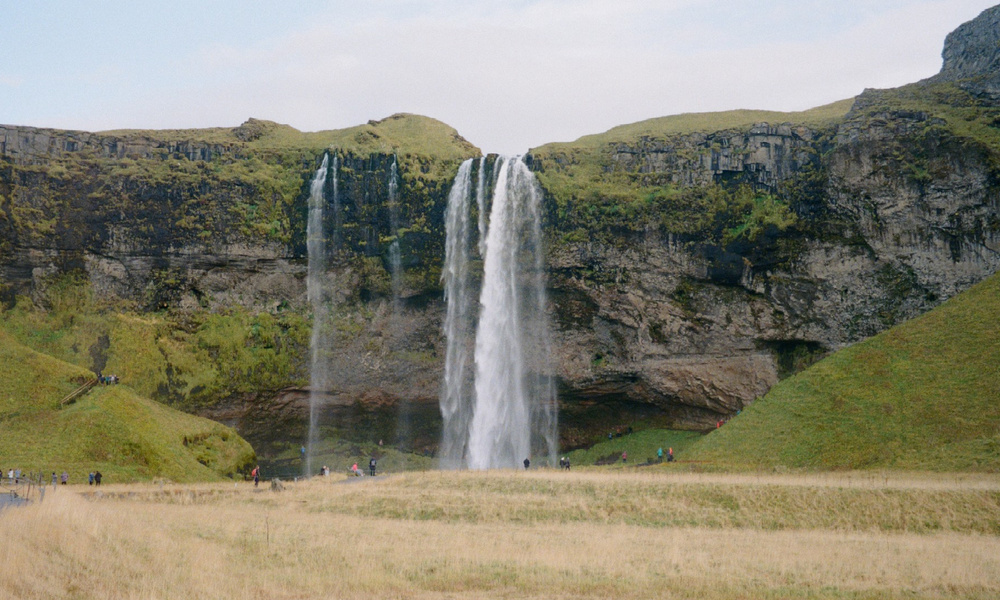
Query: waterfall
column 319, row 342
column 394, row 251
column 481, row 204
column 456, row 403
column 515, row 410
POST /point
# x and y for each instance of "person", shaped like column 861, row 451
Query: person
column 527, row 463
column 371, row 466
column 670, row 455
column 53, row 479
column 624, row 456
column 90, row 478
column 64, row 478
column 256, row 475
column 659, row 455
column 97, row 478
column 566, row 463
column 355, row 470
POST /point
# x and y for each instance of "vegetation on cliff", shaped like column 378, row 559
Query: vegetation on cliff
column 111, row 428
column 930, row 116
column 924, row 395
column 594, row 192
column 189, row 359
column 163, row 190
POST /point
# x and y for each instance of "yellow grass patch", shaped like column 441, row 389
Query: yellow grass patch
column 337, row 538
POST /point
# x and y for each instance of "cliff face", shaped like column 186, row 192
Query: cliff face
column 148, row 220
column 972, row 56
column 190, row 224
column 693, row 261
column 893, row 213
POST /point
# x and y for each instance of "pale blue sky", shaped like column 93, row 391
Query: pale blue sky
column 508, row 75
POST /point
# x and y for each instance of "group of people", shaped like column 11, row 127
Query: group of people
column 14, row 476
column 670, row 454
column 619, row 432
column 107, row 379
column 563, row 463
column 372, row 464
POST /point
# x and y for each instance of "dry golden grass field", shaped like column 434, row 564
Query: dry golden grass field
column 653, row 533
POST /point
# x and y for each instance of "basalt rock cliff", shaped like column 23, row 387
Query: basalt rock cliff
column 693, row 260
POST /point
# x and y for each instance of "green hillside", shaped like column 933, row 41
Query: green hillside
column 425, row 145
column 185, row 360
column 401, row 132
column 111, row 428
column 709, row 122
column 923, row 395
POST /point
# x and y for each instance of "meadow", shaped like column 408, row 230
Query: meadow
column 653, row 532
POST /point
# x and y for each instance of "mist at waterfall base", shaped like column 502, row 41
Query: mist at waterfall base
column 501, row 409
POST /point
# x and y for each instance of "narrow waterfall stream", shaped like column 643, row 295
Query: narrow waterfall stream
column 456, row 405
column 319, row 343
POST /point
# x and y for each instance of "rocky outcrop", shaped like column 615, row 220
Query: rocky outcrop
column 763, row 155
column 32, row 145
column 972, row 56
column 701, row 328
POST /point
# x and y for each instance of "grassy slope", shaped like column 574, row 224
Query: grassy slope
column 641, row 447
column 125, row 436
column 206, row 357
column 682, row 124
column 923, row 395
column 411, row 132
column 404, row 134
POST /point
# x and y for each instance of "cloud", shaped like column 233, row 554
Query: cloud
column 513, row 75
